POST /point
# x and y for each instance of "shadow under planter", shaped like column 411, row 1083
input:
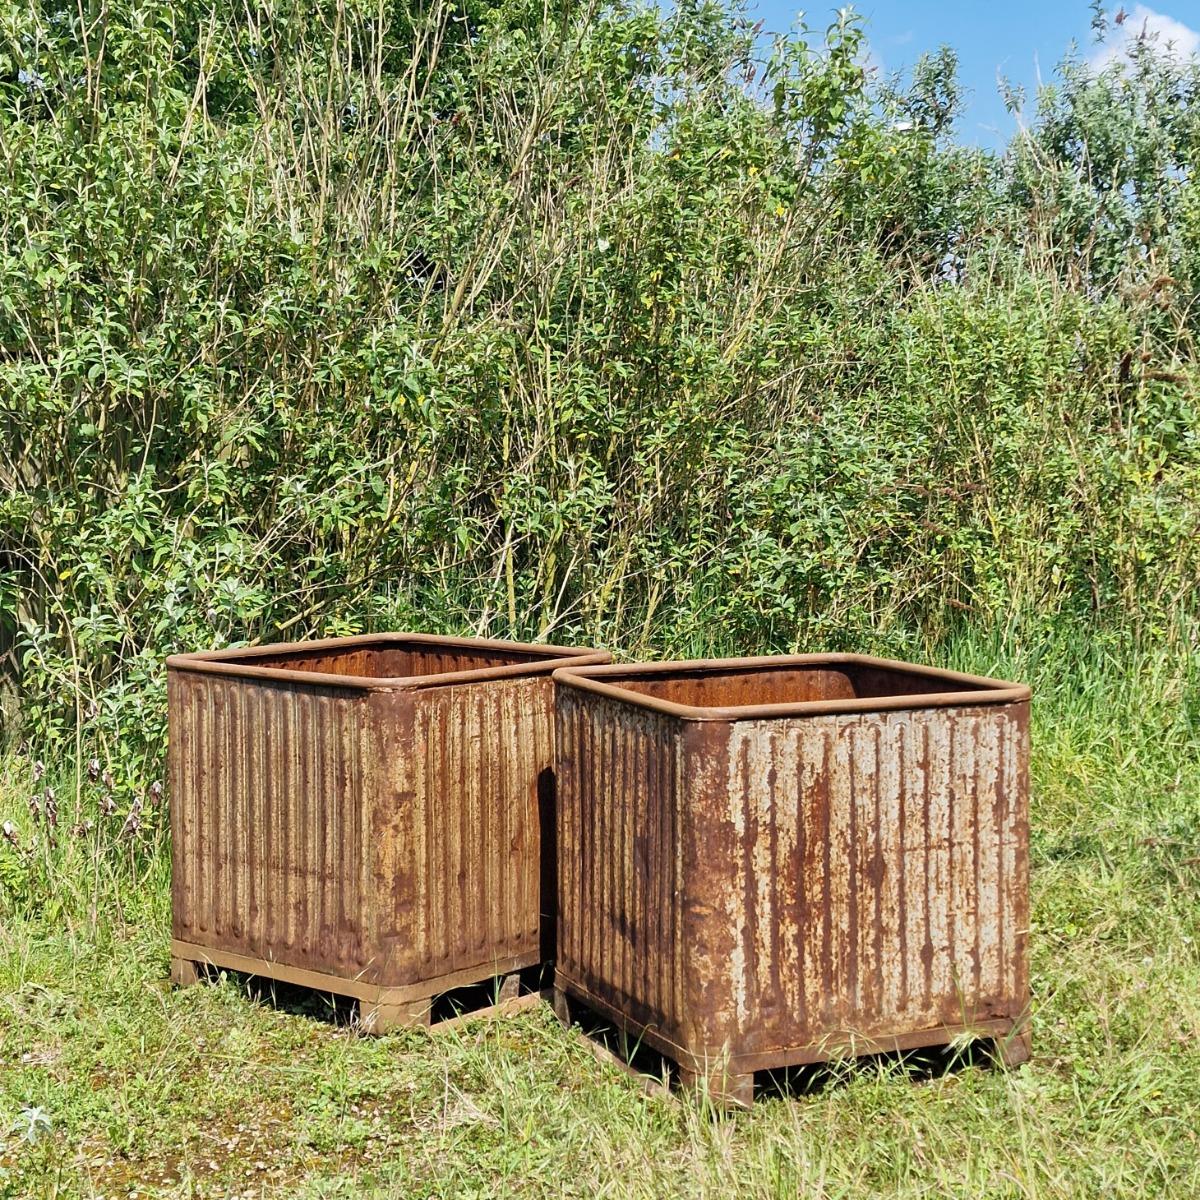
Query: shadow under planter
column 769, row 862
column 362, row 815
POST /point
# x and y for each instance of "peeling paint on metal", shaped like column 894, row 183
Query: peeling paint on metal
column 831, row 876
column 386, row 830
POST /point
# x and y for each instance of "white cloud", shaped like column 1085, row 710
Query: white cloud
column 1167, row 35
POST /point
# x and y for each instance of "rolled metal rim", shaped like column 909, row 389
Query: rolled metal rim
column 542, row 659
column 602, row 680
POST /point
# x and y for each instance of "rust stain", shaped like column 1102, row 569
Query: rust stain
column 761, row 877
column 363, row 809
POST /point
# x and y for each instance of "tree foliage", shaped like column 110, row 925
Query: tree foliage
column 603, row 322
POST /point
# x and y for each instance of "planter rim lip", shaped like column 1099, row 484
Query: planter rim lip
column 591, row 678
column 542, row 659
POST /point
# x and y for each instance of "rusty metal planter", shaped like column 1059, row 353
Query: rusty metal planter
column 362, row 814
column 774, row 861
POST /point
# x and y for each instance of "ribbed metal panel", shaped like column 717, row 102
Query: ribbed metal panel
column 876, row 889
column 619, row 852
column 478, row 754
column 762, row 888
column 270, row 819
column 383, row 835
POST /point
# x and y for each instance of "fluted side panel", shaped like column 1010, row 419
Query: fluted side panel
column 878, row 884
column 620, row 857
column 270, row 819
column 480, row 758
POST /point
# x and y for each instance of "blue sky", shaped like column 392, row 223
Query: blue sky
column 1017, row 38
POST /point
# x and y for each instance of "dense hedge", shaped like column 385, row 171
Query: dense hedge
column 606, row 323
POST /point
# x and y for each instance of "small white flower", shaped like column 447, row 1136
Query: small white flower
column 602, row 244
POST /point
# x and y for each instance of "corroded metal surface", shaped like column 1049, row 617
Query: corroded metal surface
column 772, row 890
column 623, row 931
column 271, row 803
column 384, row 830
column 461, row 873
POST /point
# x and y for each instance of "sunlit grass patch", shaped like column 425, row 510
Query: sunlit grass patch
column 215, row 1090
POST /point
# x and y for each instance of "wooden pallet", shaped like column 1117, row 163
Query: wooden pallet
column 380, row 1009
column 725, row 1089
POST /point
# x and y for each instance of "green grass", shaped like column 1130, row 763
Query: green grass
column 212, row 1092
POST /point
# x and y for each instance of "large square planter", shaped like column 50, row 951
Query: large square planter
column 774, row 861
column 364, row 814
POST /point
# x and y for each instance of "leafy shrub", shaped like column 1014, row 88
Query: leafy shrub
column 604, row 324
